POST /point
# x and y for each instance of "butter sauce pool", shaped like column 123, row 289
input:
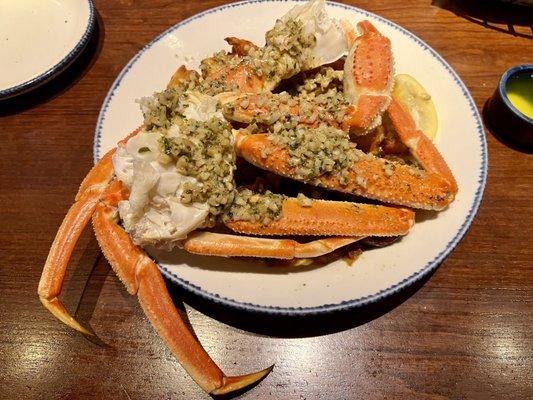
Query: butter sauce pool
column 520, row 92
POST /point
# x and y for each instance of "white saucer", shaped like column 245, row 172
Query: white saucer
column 39, row 39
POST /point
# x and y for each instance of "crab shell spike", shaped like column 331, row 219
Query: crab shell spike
column 369, row 176
column 368, row 77
column 331, row 43
column 332, row 218
column 240, row 47
column 141, row 276
column 224, row 245
column 181, row 74
column 349, row 32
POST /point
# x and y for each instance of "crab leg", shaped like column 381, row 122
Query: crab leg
column 266, row 108
column 420, row 146
column 141, row 276
column 369, row 176
column 219, row 244
column 332, row 218
column 90, row 192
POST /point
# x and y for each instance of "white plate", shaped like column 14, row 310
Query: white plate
column 39, row 39
column 377, row 273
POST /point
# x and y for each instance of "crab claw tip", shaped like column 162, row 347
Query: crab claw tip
column 232, row 383
column 60, row 312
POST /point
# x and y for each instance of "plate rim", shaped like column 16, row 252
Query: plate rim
column 57, row 68
column 346, row 305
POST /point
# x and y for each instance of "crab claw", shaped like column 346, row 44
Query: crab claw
column 368, row 78
column 420, row 146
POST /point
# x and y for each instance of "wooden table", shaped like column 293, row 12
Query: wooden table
column 467, row 333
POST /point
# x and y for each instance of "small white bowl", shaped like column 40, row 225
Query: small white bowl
column 39, row 39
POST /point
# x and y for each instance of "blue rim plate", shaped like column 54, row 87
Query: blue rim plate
column 67, row 56
column 434, row 238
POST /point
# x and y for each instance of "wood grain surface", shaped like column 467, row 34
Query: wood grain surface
column 467, row 333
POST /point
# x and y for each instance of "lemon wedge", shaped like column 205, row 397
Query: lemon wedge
column 412, row 95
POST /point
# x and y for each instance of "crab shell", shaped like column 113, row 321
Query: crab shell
column 331, row 42
column 152, row 214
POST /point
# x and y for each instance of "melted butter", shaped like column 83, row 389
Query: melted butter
column 520, row 92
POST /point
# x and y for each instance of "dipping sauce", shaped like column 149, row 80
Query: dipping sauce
column 520, row 92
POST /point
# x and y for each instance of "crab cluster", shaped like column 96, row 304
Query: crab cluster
column 262, row 149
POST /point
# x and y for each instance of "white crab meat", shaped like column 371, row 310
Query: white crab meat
column 201, row 107
column 153, row 214
column 331, row 42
